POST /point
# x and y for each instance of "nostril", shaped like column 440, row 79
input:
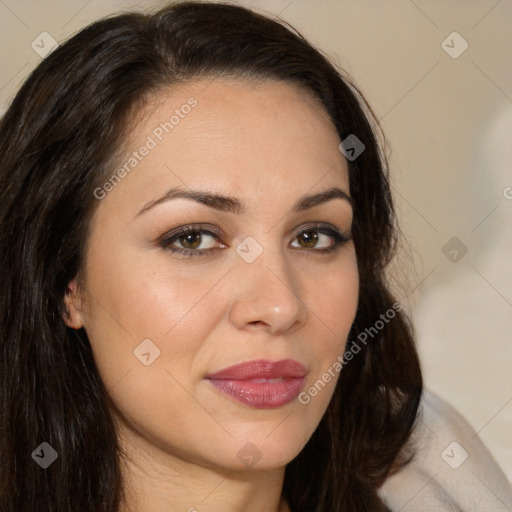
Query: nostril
column 257, row 323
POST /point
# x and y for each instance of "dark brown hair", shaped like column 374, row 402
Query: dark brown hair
column 58, row 142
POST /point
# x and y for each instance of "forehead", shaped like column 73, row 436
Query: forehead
column 238, row 134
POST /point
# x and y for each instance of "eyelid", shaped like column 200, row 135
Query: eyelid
column 326, row 227
column 339, row 238
column 213, row 230
column 208, row 229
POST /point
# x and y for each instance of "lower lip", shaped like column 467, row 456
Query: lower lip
column 261, row 395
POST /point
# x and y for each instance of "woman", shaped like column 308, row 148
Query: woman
column 196, row 220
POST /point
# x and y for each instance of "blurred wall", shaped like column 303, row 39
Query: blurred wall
column 439, row 77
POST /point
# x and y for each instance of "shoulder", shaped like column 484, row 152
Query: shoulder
column 451, row 470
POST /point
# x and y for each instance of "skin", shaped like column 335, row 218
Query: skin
column 267, row 144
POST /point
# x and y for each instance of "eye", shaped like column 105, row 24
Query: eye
column 191, row 241
column 194, row 239
column 320, row 238
column 199, row 241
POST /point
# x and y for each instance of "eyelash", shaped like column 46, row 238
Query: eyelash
column 338, row 237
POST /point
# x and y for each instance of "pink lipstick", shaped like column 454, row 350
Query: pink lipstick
column 260, row 383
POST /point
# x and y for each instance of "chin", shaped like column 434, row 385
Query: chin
column 262, row 451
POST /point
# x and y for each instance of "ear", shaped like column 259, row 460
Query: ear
column 73, row 303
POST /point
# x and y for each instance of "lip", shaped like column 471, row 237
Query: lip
column 261, row 384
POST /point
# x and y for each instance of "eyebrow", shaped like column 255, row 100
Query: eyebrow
column 233, row 205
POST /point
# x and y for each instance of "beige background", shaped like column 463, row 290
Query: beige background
column 449, row 123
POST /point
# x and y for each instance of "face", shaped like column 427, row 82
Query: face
column 220, row 280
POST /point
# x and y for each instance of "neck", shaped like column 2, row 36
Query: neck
column 156, row 481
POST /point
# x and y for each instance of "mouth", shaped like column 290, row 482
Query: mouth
column 261, row 384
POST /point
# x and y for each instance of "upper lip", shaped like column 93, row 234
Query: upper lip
column 261, row 369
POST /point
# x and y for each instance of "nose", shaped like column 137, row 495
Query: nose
column 267, row 296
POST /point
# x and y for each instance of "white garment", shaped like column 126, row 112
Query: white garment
column 452, row 469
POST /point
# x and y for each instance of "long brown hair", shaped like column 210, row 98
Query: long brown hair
column 58, row 142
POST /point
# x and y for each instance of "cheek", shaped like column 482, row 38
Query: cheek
column 334, row 301
column 333, row 306
column 132, row 301
column 333, row 298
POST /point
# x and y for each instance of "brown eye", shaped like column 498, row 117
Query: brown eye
column 190, row 240
column 308, row 239
column 320, row 238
